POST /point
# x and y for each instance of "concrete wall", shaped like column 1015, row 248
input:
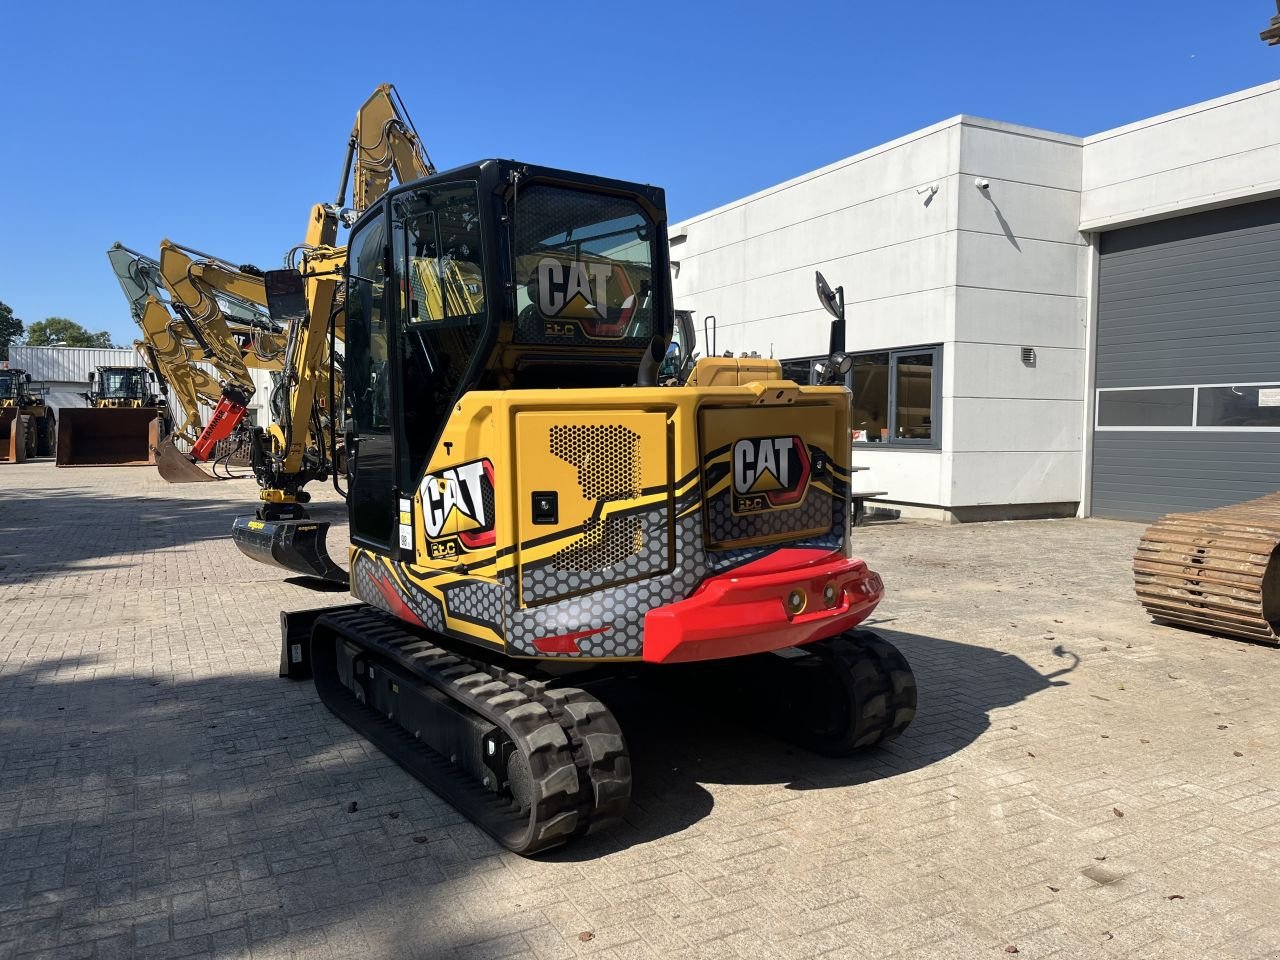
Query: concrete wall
column 1213, row 153
column 927, row 257
column 865, row 224
column 982, row 273
column 1016, row 434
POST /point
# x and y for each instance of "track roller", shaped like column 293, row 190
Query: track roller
column 530, row 765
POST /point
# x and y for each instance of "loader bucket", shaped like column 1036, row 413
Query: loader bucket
column 13, row 435
column 296, row 545
column 175, row 466
column 96, row 437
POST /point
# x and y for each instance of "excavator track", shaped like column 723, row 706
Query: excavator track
column 531, row 765
column 835, row 697
column 1215, row 570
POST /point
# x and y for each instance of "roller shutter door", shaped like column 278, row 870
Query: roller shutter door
column 1188, row 363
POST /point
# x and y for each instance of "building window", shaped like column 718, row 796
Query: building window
column 897, row 397
column 799, row 369
column 1205, row 406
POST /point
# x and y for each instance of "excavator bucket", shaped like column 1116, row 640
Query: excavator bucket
column 13, row 435
column 297, row 545
column 98, row 437
column 175, row 466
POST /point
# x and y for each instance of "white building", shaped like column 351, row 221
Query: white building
column 64, row 372
column 1044, row 325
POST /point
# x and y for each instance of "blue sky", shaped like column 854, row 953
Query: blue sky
column 218, row 125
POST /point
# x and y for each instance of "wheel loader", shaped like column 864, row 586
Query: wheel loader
column 530, row 512
column 126, row 417
column 28, row 426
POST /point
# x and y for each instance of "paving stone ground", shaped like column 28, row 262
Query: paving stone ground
column 1079, row 783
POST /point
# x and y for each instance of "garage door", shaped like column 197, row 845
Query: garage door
column 1187, row 411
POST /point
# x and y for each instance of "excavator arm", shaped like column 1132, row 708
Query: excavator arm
column 383, row 146
column 197, row 286
column 166, row 342
column 383, row 143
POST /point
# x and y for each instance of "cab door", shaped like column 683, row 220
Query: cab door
column 370, row 385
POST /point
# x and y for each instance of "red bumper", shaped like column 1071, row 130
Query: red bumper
column 753, row 608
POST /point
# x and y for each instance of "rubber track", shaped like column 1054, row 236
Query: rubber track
column 599, row 748
column 879, row 687
column 556, row 804
column 884, row 685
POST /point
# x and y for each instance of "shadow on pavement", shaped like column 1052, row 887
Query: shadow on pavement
column 678, row 743
column 232, row 796
column 47, row 533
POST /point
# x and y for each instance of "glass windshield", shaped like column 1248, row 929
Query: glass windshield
column 437, row 249
column 9, row 384
column 583, row 263
column 123, row 384
column 446, row 279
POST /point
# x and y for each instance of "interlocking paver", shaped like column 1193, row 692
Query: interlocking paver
column 163, row 794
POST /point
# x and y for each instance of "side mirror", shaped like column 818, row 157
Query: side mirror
column 832, row 300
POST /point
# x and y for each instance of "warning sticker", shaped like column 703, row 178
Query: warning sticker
column 1269, row 396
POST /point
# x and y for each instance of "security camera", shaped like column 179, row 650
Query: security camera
column 982, row 184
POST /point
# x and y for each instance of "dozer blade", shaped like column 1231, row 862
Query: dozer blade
column 175, row 466
column 94, row 437
column 297, row 545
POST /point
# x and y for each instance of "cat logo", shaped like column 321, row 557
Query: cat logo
column 573, row 289
column 769, row 472
column 453, row 504
column 581, row 292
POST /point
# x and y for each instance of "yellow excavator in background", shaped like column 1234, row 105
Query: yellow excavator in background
column 199, row 285
column 126, row 417
column 172, row 354
column 198, row 312
column 383, row 145
column 529, row 508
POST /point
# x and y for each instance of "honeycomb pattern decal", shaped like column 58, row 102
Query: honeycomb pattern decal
column 476, row 600
column 620, row 609
column 607, row 459
column 817, row 510
column 552, row 579
column 603, row 545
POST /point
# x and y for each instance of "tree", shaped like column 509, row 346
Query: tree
column 64, row 333
column 10, row 329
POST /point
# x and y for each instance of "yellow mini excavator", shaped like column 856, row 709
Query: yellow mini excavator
column 529, row 511
column 126, row 417
column 28, row 426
